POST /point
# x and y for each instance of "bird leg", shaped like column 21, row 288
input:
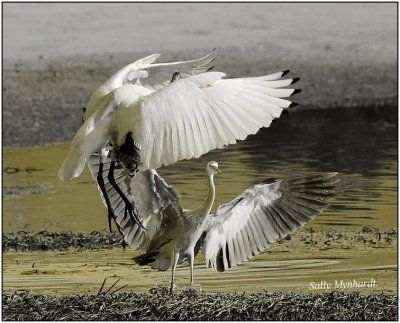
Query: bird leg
column 100, row 181
column 191, row 263
column 129, row 207
column 175, row 258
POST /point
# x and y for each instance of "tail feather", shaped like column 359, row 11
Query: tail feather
column 147, row 258
column 89, row 138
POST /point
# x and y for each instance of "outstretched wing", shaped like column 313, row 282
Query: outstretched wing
column 155, row 76
column 147, row 190
column 262, row 215
column 147, row 73
column 196, row 114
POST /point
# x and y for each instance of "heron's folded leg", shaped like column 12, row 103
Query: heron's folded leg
column 100, row 181
column 129, row 207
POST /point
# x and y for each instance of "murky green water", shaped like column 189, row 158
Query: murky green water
column 35, row 200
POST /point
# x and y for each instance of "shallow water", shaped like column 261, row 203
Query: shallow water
column 363, row 152
column 289, row 267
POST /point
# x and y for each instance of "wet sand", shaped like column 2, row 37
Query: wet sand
column 81, row 280
column 67, row 263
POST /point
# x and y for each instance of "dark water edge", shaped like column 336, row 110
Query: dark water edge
column 193, row 305
column 50, row 108
column 347, row 140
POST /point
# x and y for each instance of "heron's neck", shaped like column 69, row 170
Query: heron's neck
column 205, row 208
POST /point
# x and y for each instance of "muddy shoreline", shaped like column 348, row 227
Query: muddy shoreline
column 367, row 237
column 113, row 303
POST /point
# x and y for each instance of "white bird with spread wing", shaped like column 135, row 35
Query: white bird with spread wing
column 238, row 230
column 152, row 114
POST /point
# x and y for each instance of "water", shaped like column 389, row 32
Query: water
column 362, row 151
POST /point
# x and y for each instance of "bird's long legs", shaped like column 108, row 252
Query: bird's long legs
column 100, row 181
column 175, row 257
column 191, row 263
column 129, row 207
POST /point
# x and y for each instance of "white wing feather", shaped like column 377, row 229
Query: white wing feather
column 146, row 73
column 203, row 109
column 182, row 120
column 262, row 215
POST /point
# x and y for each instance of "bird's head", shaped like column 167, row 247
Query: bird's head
column 212, row 168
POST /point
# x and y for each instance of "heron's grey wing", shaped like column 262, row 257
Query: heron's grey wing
column 262, row 215
column 147, row 190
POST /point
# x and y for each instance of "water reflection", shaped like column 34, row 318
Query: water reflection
column 330, row 140
column 365, row 153
column 310, row 141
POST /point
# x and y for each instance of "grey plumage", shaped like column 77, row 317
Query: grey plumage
column 297, row 201
column 238, row 230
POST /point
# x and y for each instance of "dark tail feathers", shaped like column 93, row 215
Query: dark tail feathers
column 146, row 258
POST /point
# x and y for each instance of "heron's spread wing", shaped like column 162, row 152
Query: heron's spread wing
column 196, row 114
column 145, row 72
column 262, row 215
column 149, row 192
column 155, row 76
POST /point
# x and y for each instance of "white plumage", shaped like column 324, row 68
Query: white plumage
column 171, row 121
column 152, row 114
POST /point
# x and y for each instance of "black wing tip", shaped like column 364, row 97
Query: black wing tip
column 285, row 72
column 296, row 91
column 293, row 104
column 210, row 68
column 295, row 80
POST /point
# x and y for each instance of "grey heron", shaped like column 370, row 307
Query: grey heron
column 146, row 116
column 237, row 231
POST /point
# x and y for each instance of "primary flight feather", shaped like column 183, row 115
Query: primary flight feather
column 237, row 231
column 152, row 114
column 170, row 121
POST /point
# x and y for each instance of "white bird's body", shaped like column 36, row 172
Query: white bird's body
column 170, row 121
column 152, row 114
